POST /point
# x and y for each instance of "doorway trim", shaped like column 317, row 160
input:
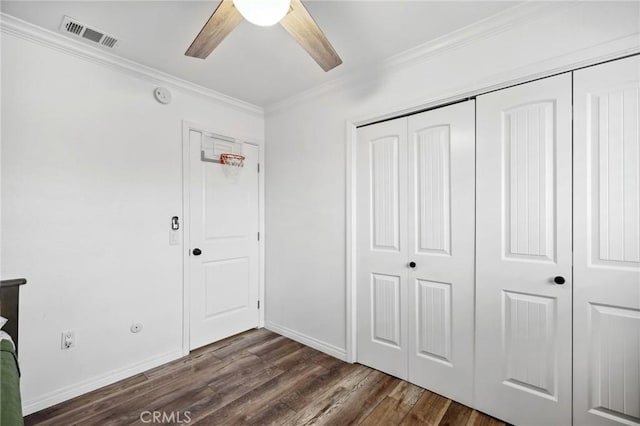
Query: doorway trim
column 187, row 126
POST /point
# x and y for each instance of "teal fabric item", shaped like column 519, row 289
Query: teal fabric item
column 10, row 402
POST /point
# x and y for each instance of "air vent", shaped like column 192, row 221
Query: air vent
column 78, row 29
column 73, row 28
column 108, row 41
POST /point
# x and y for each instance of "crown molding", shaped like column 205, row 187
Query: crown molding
column 608, row 51
column 16, row 27
column 492, row 25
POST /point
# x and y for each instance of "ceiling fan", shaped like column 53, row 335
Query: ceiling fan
column 291, row 14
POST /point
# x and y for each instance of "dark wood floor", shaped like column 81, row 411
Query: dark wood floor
column 261, row 378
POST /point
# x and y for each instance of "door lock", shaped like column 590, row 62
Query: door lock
column 175, row 224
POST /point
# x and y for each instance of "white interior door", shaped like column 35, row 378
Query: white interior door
column 441, row 243
column 224, row 250
column 607, row 244
column 523, row 318
column 382, row 246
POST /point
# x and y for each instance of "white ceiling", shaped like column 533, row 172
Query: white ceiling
column 256, row 64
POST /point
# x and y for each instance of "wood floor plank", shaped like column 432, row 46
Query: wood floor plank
column 300, row 396
column 277, row 414
column 456, row 415
column 332, row 397
column 428, row 410
column 480, row 419
column 303, row 355
column 268, row 345
column 261, row 378
column 246, row 340
column 393, row 409
column 390, row 411
column 133, row 413
column 220, row 393
column 250, row 404
column 307, row 355
column 408, row 393
column 180, row 364
column 275, row 349
column 68, row 408
column 164, row 387
column 93, row 408
column 325, row 360
column 253, row 333
column 362, row 402
column 356, row 403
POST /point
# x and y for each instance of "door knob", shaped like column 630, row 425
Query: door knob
column 412, row 265
column 196, row 252
column 559, row 280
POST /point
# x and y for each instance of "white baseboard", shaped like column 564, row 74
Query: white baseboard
column 68, row 392
column 327, row 348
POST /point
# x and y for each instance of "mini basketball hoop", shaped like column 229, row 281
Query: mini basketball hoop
column 232, row 163
column 229, row 159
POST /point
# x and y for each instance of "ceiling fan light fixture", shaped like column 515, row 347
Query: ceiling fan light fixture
column 263, row 12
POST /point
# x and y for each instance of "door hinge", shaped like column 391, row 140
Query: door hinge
column 258, row 236
column 258, row 304
column 258, row 167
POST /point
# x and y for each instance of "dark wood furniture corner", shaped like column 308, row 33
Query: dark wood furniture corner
column 9, row 301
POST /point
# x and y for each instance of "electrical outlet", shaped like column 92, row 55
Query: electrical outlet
column 68, row 340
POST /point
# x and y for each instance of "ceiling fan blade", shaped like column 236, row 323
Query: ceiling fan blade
column 224, row 19
column 299, row 23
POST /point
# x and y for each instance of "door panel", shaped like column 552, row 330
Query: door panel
column 528, row 132
column 385, row 187
column 224, row 285
column 433, row 171
column 386, row 309
column 529, row 342
column 381, row 245
column 607, row 244
column 523, row 318
column 441, row 243
column 433, row 321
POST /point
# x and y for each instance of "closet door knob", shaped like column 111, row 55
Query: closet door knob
column 559, row 280
column 196, row 252
column 412, row 265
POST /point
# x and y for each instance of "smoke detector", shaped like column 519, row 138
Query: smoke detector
column 75, row 28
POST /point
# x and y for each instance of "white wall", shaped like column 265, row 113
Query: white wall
column 91, row 176
column 307, row 143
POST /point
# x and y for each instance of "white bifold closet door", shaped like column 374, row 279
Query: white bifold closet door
column 523, row 278
column 607, row 244
column 415, row 248
column 381, row 229
column 441, row 243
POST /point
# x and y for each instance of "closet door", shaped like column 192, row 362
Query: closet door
column 607, row 244
column 381, row 178
column 523, row 314
column 441, row 243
